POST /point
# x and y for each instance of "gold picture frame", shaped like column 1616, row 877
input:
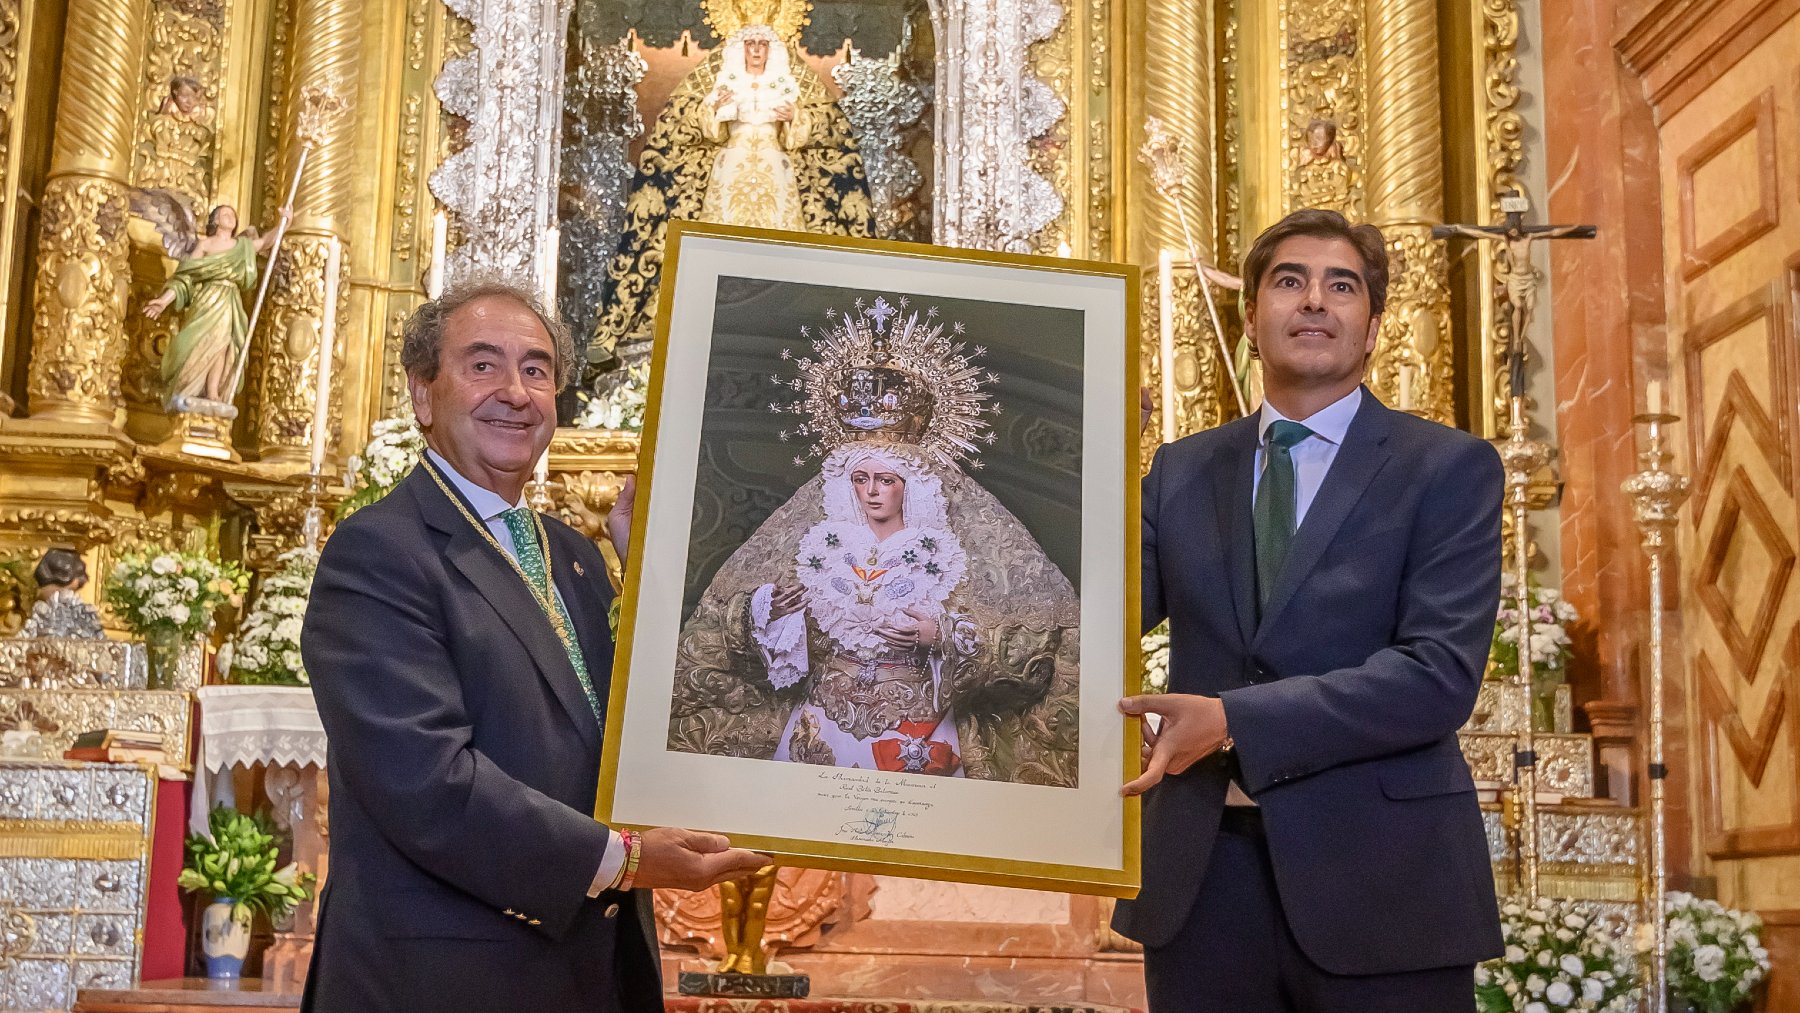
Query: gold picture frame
column 1043, row 809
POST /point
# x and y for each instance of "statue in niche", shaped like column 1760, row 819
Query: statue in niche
column 751, row 137
column 178, row 153
column 59, row 610
column 213, row 273
column 1323, row 174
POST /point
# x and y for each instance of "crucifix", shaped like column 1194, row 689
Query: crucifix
column 1521, row 277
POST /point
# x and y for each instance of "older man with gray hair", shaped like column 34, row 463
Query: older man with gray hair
column 460, row 656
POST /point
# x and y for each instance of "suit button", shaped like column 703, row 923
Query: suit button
column 509, row 912
column 612, row 911
column 534, row 921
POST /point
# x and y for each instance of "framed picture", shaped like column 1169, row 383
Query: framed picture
column 881, row 598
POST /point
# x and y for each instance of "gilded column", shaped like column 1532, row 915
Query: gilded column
column 1177, row 69
column 78, row 334
column 1405, row 197
column 320, row 99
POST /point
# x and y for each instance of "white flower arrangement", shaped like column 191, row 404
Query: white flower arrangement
column 1550, row 616
column 173, row 593
column 394, row 448
column 1156, row 659
column 620, row 409
column 266, row 650
column 1716, row 956
column 1556, row 959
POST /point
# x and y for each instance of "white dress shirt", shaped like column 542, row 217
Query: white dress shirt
column 1312, row 455
column 1312, row 458
column 489, row 506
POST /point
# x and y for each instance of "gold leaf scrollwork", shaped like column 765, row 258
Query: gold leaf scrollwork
column 80, row 302
column 289, row 341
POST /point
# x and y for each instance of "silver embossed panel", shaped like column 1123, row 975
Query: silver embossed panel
column 1565, row 762
column 74, row 841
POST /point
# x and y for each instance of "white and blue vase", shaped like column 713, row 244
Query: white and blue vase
column 225, row 939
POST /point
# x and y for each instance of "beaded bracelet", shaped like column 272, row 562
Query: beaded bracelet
column 634, row 851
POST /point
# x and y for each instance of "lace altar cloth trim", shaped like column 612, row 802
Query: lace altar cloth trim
column 247, row 725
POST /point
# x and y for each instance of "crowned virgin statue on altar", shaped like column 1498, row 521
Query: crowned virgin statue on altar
column 750, row 137
column 893, row 614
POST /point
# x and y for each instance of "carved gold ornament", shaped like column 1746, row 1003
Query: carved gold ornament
column 786, row 17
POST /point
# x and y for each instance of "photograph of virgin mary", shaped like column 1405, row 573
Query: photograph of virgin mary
column 886, row 525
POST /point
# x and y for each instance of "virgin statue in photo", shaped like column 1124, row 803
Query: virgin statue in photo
column 892, row 614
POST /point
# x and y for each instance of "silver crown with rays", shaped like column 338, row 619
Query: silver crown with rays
column 887, row 374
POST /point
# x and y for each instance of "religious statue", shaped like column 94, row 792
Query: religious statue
column 1322, row 175
column 1521, row 276
column 59, row 610
column 178, row 153
column 751, row 137
column 892, row 615
column 213, row 273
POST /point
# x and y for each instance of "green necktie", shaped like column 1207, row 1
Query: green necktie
column 1275, row 505
column 521, row 523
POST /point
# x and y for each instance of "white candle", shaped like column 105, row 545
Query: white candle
column 541, row 473
column 334, row 259
column 1406, row 388
column 440, row 241
column 1653, row 397
column 1165, row 320
column 548, row 254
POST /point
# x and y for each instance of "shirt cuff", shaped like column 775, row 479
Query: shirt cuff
column 610, row 864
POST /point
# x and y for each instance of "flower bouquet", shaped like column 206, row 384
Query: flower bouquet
column 1556, row 958
column 266, row 650
column 155, row 591
column 1716, row 956
column 1550, row 646
column 395, row 446
column 235, row 861
column 621, row 408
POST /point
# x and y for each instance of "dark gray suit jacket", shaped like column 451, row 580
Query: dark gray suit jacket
column 463, row 763
column 1344, row 698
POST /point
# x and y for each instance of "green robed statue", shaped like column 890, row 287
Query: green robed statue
column 213, row 273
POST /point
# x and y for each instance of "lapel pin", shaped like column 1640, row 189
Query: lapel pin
column 580, row 571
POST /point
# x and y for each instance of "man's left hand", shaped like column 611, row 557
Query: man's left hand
column 618, row 519
column 1192, row 728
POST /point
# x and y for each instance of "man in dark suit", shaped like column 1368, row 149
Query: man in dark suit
column 1330, row 571
column 459, row 653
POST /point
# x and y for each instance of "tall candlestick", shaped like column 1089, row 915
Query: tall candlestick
column 541, row 472
column 1165, row 322
column 549, row 254
column 440, row 241
column 321, row 419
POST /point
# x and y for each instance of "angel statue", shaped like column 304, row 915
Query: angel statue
column 892, row 615
column 751, row 137
column 213, row 273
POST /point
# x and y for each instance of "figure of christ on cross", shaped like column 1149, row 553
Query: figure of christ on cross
column 1521, row 276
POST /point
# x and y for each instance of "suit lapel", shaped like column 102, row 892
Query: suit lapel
column 1357, row 461
column 496, row 580
column 1237, row 534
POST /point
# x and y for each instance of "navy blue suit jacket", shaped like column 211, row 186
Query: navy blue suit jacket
column 1344, row 698
column 463, row 762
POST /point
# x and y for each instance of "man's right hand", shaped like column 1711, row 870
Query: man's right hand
column 676, row 859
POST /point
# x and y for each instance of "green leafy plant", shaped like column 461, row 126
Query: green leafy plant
column 236, row 859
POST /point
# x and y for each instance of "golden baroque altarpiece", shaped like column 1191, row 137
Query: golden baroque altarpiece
column 996, row 124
